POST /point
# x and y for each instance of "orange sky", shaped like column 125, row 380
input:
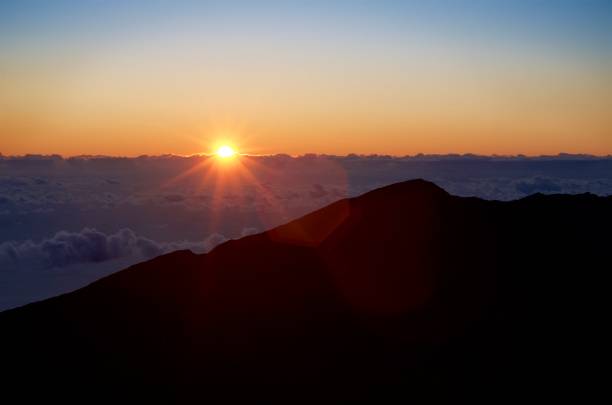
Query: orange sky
column 289, row 90
column 86, row 112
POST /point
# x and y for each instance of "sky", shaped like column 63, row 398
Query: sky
column 337, row 77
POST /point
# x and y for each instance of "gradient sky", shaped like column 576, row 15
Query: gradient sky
column 392, row 77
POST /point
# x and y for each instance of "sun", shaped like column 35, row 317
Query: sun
column 225, row 152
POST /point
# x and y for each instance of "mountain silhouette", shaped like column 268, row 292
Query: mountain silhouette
column 405, row 293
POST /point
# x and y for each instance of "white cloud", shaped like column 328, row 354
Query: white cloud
column 91, row 246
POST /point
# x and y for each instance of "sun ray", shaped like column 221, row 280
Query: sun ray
column 229, row 178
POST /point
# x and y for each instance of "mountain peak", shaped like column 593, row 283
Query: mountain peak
column 412, row 187
column 314, row 228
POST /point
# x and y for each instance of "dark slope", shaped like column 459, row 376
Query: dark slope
column 404, row 292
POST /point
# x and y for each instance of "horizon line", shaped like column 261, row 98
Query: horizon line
column 311, row 154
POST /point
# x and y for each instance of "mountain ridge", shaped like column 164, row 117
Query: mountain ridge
column 405, row 290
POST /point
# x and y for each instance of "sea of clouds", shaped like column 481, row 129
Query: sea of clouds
column 64, row 222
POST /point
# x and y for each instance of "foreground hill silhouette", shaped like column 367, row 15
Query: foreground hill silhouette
column 405, row 292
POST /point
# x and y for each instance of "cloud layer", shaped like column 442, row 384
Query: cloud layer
column 91, row 246
column 125, row 207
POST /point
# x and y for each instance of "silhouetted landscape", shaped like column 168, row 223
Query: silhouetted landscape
column 405, row 292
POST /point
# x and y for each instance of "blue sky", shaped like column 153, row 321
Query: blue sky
column 585, row 23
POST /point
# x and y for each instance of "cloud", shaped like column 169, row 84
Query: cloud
column 538, row 184
column 91, row 246
column 318, row 191
column 174, row 198
column 249, row 231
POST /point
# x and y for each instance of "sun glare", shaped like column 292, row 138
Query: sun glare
column 225, row 152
